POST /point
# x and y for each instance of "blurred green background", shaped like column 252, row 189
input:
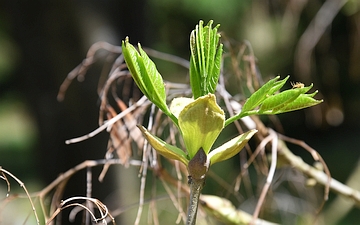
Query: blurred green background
column 42, row 41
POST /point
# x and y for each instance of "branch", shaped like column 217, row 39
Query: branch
column 319, row 176
column 3, row 174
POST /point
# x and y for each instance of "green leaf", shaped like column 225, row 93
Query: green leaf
column 262, row 93
column 146, row 76
column 230, row 148
column 163, row 148
column 303, row 101
column 201, row 122
column 258, row 97
column 277, row 85
column 195, row 80
column 266, row 101
column 131, row 57
column 215, row 70
column 178, row 104
column 205, row 59
column 275, row 102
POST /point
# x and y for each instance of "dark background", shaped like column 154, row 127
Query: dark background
column 41, row 41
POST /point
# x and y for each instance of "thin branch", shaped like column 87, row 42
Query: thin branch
column 108, row 124
column 273, row 137
column 146, row 152
column 168, row 57
column 196, row 185
column 174, row 199
column 88, row 193
column 104, row 212
column 318, row 175
column 3, row 176
column 82, row 68
column 312, row 35
column 316, row 157
column 65, row 176
column 22, row 185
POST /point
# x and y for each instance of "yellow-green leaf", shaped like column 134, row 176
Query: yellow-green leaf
column 205, row 60
column 201, row 122
column 178, row 104
column 146, row 76
column 163, row 148
column 230, row 148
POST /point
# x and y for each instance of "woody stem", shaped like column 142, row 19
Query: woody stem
column 196, row 185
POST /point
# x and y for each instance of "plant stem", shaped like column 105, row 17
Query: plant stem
column 196, row 185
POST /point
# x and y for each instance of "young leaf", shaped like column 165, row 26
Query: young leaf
column 146, row 76
column 205, row 59
column 131, row 57
column 263, row 92
column 213, row 54
column 303, row 101
column 277, row 85
column 201, row 122
column 195, row 81
column 278, row 101
column 230, row 148
column 258, row 97
column 215, row 71
column 163, row 148
column 178, row 104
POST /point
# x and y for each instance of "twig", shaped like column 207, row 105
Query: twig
column 81, row 69
column 316, row 157
column 146, row 152
column 88, row 193
column 168, row 57
column 273, row 137
column 3, row 176
column 319, row 176
column 312, row 35
column 65, row 176
column 226, row 212
column 22, row 185
column 174, row 199
column 104, row 212
column 196, row 185
column 108, row 124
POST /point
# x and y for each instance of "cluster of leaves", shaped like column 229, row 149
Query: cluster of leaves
column 205, row 59
column 200, row 119
column 268, row 100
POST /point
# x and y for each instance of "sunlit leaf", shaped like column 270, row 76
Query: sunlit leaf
column 178, row 104
column 230, row 148
column 277, row 85
column 266, row 100
column 256, row 99
column 201, row 122
column 163, row 148
column 278, row 101
column 263, row 92
column 153, row 81
column 303, row 101
column 205, row 60
column 145, row 75
column 131, row 56
column 195, row 81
